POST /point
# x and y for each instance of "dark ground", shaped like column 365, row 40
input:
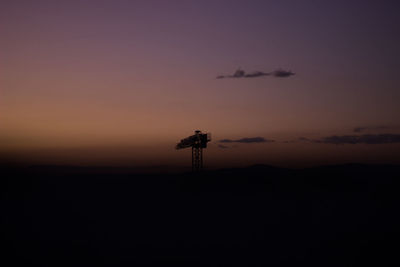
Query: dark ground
column 258, row 216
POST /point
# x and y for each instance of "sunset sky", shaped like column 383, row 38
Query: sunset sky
column 121, row 82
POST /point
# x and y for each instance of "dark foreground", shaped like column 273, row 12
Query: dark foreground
column 259, row 216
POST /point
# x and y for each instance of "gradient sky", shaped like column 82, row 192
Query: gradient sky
column 120, row 82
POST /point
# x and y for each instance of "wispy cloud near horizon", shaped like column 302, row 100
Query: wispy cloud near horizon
column 279, row 73
column 370, row 139
column 247, row 140
column 373, row 128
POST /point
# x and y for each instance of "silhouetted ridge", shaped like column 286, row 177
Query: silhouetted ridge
column 256, row 216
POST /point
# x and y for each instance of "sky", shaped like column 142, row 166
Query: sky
column 121, row 82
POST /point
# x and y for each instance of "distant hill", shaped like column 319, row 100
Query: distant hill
column 255, row 216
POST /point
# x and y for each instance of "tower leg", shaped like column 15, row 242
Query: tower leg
column 192, row 159
column 201, row 158
column 197, row 158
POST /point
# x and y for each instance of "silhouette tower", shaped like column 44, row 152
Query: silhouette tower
column 197, row 142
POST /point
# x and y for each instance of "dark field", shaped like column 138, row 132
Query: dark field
column 258, row 216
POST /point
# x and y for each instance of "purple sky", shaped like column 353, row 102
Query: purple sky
column 122, row 81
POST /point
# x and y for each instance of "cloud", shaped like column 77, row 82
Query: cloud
column 247, row 140
column 304, row 139
column 370, row 139
column 367, row 128
column 282, row 73
column 238, row 74
column 242, row 74
column 256, row 74
column 300, row 139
